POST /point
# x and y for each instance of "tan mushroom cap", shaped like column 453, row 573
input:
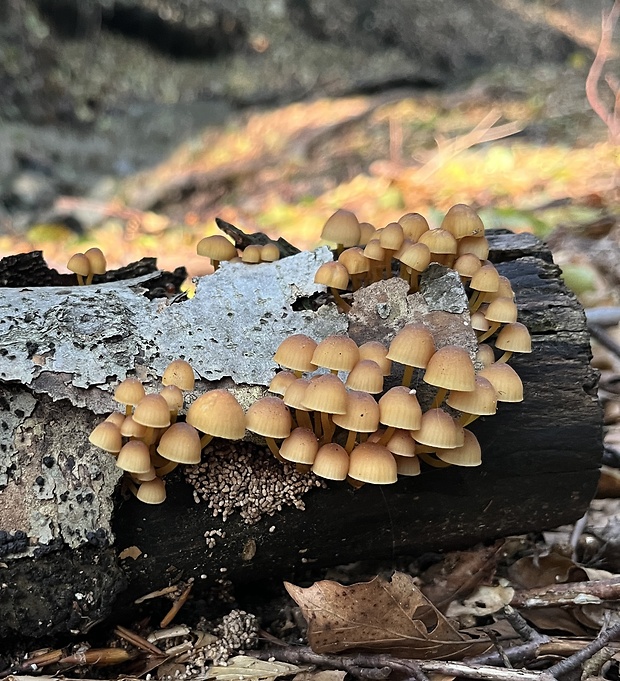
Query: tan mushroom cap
column 502, row 310
column 342, row 228
column 79, row 264
column 367, row 376
column 439, row 242
column 451, row 368
column 129, row 428
column 96, row 258
column 179, row 373
column 400, row 443
column 391, row 237
column 270, row 252
column 361, row 415
column 130, row 391
column 462, row 220
column 269, row 417
column 281, row 381
column 216, row 247
column 481, row 401
column 332, row 274
column 374, row 251
column 514, row 337
column 327, row 394
column 331, row 462
column 217, row 413
column 152, row 491
column 354, row 260
column 467, row 265
column 251, row 254
column 134, row 457
column 152, row 411
column 485, row 355
column 180, row 443
column 107, row 436
column 367, row 232
column 479, row 322
column 414, row 225
column 478, row 245
column 151, row 474
column 485, row 279
column 295, row 393
column 413, row 346
column 337, row 353
column 301, row 446
column 439, row 429
column 505, row 380
column 377, row 352
column 117, row 418
column 399, row 408
column 173, row 397
column 468, row 454
column 417, row 256
column 295, row 352
column 372, row 463
column 407, row 466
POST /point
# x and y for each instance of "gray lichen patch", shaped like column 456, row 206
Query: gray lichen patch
column 14, row 408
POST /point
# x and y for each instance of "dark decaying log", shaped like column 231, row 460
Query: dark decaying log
column 540, row 468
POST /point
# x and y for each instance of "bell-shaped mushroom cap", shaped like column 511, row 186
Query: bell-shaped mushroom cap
column 362, row 414
column 97, row 260
column 152, row 411
column 216, row 247
column 117, row 418
column 354, row 261
column 129, row 428
column 331, row 462
column 451, row 368
column 295, row 352
column 478, row 245
column 392, row 236
column 295, row 393
column 300, row 446
column 107, row 436
column 439, row 429
column 270, row 252
column 374, row 251
column 342, row 228
column 333, row 274
column 281, row 381
column 251, row 254
column 505, row 380
column 481, row 401
column 151, row 474
column 514, row 337
column 413, row 345
column 217, row 413
column 173, row 397
column 130, row 391
column 468, row 454
column 339, row 353
column 417, row 256
column 502, row 310
column 367, row 232
column 180, row 443
column 414, row 225
column 407, row 466
column 79, row 264
column 462, row 220
column 372, row 463
column 326, row 393
column 485, row 279
column 179, row 373
column 269, row 417
column 377, row 352
column 134, row 457
column 467, row 265
column 399, row 408
column 439, row 242
column 485, row 355
column 479, row 322
column 401, row 443
column 152, row 492
column 367, row 376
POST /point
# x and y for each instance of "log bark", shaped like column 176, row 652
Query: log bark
column 64, row 522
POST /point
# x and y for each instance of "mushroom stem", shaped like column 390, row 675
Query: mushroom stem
column 357, row 281
column 491, row 330
column 205, row 439
column 302, row 467
column 404, row 272
column 164, row 470
column 215, row 263
column 356, row 484
column 128, row 408
column 385, row 438
column 414, row 280
column 465, row 419
column 273, row 447
column 407, row 375
column 303, row 419
column 439, row 398
column 432, row 461
column 89, row 278
column 328, row 427
column 342, row 304
column 131, row 487
column 350, row 443
column 80, row 279
column 476, row 301
column 505, row 357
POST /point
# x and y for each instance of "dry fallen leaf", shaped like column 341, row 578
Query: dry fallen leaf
column 382, row 616
column 245, row 668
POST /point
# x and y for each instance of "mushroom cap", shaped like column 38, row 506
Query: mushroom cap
column 79, row 264
column 152, row 491
column 179, row 373
column 300, row 446
column 439, row 429
column 367, row 376
column 269, row 417
column 129, row 428
column 481, row 401
column 151, row 474
column 107, row 436
column 414, row 225
column 97, row 260
column 505, row 380
column 372, row 463
column 374, row 251
column 514, row 337
column 468, row 454
column 270, row 252
column 326, row 393
column 407, row 466
column 451, row 368
column 180, row 443
column 485, row 279
column 129, row 391
column 217, row 413
column 332, row 274
column 134, row 457
column 339, row 353
column 251, row 254
column 478, row 245
column 342, row 227
column 216, row 247
column 467, row 265
column 295, row 352
column 502, row 310
column 413, row 345
column 354, row 260
column 281, row 381
column 117, row 418
column 485, row 355
column 295, row 393
column 367, row 232
column 399, row 408
column 173, row 397
column 377, row 352
column 331, row 462
column 392, row 236
column 479, row 322
column 439, row 242
column 152, row 411
column 417, row 256
column 462, row 220
column 400, row 443
column 362, row 414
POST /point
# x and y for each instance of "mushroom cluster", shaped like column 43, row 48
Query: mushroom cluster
column 86, row 265
column 218, row 248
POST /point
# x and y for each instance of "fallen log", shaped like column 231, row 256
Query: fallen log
column 64, row 349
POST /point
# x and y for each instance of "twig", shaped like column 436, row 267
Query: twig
column 176, row 606
column 138, row 641
column 572, row 593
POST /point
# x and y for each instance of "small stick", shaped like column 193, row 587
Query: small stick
column 176, row 606
column 138, row 641
column 571, row 593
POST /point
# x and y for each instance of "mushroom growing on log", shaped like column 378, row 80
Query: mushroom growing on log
column 59, row 368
